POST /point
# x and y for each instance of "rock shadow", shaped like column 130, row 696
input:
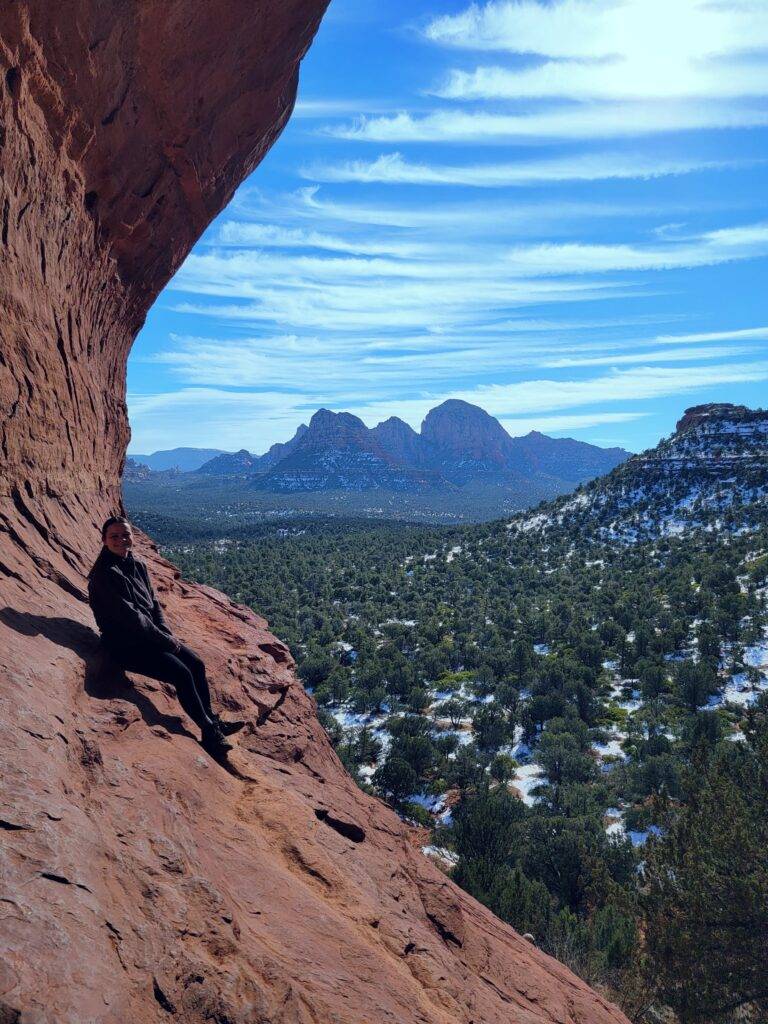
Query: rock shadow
column 104, row 679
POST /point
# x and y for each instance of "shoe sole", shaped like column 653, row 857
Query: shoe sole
column 234, row 729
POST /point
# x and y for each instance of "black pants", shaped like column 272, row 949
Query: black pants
column 184, row 670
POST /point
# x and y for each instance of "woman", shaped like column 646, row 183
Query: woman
column 135, row 633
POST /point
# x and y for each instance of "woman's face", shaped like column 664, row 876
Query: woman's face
column 119, row 539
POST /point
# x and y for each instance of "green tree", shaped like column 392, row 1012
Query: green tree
column 490, row 727
column 706, row 905
column 696, row 681
column 502, row 769
column 396, row 779
column 486, row 828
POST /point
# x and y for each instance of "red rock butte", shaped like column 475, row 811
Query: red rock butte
column 139, row 880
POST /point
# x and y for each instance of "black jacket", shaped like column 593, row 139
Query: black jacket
column 125, row 606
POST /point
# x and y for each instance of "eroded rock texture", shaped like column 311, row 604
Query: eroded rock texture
column 139, row 880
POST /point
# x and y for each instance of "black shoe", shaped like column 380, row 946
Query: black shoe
column 214, row 741
column 229, row 728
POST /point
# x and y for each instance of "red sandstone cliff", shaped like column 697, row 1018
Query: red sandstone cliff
column 140, row 881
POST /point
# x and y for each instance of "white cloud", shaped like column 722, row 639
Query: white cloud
column 744, row 334
column 483, row 216
column 687, row 29
column 564, row 122
column 238, row 233
column 214, row 418
column 668, row 355
column 393, row 168
column 382, row 306
column 553, row 327
column 721, row 246
column 243, row 273
column 314, row 108
column 358, row 371
column 352, row 366
column 629, row 66
column 445, row 283
column 606, row 81
column 643, row 382
column 613, row 49
column 494, row 273
column 568, row 421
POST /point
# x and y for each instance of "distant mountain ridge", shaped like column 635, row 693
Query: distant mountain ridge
column 459, row 443
column 711, row 473
column 185, row 459
column 338, row 452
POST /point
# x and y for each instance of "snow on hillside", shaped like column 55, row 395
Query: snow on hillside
column 709, row 472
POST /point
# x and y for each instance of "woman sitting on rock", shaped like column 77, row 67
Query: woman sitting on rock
column 135, row 633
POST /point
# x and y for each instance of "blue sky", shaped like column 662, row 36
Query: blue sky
column 557, row 211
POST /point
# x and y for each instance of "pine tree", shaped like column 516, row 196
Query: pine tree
column 706, row 904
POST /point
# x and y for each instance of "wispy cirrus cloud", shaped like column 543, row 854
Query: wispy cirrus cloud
column 694, row 354
column 213, row 417
column 322, row 108
column 347, row 362
column 242, row 272
column 607, row 69
column 744, row 334
column 489, row 216
column 558, row 124
column 411, row 306
column 722, row 246
column 607, row 81
column 517, row 426
column 354, row 367
column 437, row 290
column 643, row 382
column 394, row 169
column 273, row 236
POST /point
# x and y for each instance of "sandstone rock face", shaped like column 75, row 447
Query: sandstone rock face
column 698, row 414
column 400, row 440
column 139, row 880
column 466, row 431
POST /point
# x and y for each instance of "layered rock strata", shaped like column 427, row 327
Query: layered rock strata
column 139, row 880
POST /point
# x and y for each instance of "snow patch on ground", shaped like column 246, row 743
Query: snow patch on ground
column 611, row 749
column 641, row 838
column 756, row 656
column 440, row 853
column 527, row 778
column 434, row 804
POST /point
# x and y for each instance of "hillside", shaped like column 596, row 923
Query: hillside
column 712, row 473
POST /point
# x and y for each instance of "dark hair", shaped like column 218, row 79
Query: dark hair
column 111, row 522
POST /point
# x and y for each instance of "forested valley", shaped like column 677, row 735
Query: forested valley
column 571, row 706
column 578, row 726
